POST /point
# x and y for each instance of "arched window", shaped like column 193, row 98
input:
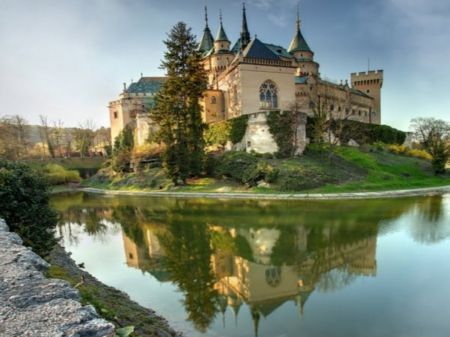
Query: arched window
column 268, row 96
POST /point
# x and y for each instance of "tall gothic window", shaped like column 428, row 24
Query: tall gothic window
column 268, row 96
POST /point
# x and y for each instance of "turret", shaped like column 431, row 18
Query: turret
column 207, row 42
column 221, row 43
column 298, row 47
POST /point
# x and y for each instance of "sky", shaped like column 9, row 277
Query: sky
column 66, row 59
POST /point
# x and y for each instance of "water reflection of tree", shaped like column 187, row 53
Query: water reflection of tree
column 431, row 226
column 188, row 260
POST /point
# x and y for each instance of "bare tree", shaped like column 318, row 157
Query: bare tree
column 84, row 137
column 434, row 136
column 14, row 137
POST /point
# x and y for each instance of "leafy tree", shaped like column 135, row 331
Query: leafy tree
column 123, row 145
column 24, row 200
column 177, row 110
column 434, row 136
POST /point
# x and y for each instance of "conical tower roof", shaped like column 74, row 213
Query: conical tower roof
column 245, row 34
column 221, row 35
column 298, row 42
column 207, row 42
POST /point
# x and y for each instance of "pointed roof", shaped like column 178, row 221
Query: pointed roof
column 298, row 42
column 221, row 35
column 207, row 42
column 257, row 49
column 245, row 34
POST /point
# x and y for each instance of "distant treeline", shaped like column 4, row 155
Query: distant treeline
column 20, row 140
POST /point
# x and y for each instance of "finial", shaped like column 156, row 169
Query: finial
column 142, row 75
column 206, row 15
column 298, row 16
column 243, row 6
column 220, row 16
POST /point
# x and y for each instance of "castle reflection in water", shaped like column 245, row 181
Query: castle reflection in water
column 258, row 280
column 259, row 255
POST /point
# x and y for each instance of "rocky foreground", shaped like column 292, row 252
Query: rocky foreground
column 32, row 305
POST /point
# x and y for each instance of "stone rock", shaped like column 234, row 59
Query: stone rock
column 32, row 305
column 353, row 143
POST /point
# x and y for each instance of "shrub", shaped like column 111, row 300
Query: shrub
column 245, row 168
column 234, row 164
column 57, row 175
column 400, row 149
column 297, row 179
column 24, row 200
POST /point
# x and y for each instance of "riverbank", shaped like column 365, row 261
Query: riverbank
column 278, row 196
column 33, row 305
column 112, row 304
column 345, row 170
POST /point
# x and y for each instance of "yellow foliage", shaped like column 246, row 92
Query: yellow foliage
column 400, row 149
column 147, row 150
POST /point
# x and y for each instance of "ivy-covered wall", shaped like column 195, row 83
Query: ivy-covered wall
column 362, row 133
column 282, row 126
column 230, row 130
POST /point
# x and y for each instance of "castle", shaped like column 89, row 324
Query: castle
column 252, row 77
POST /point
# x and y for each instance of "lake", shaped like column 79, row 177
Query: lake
column 271, row 268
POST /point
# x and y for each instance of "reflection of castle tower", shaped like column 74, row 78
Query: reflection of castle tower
column 265, row 287
column 147, row 257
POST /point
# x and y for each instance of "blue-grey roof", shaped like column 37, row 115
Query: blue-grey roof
column 257, row 49
column 278, row 50
column 236, row 47
column 298, row 43
column 146, row 85
column 301, row 79
column 207, row 42
column 221, row 35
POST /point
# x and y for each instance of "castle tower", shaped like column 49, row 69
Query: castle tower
column 245, row 34
column 207, row 42
column 303, row 53
column 221, row 43
column 370, row 83
column 299, row 47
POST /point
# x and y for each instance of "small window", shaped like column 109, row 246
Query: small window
column 249, row 144
column 359, row 112
column 115, row 115
column 130, row 256
column 368, row 91
column 213, row 100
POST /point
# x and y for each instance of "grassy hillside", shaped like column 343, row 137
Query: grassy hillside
column 344, row 170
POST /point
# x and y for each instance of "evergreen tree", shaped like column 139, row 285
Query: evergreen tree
column 177, row 110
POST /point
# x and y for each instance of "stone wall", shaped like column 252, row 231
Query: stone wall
column 32, row 305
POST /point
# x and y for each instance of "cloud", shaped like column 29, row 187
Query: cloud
column 278, row 12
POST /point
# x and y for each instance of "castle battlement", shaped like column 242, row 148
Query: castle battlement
column 366, row 73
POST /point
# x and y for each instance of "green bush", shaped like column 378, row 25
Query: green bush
column 299, row 179
column 58, row 175
column 24, row 200
column 218, row 133
column 245, row 168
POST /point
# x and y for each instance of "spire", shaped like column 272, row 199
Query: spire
column 298, row 42
column 245, row 34
column 207, row 41
column 221, row 36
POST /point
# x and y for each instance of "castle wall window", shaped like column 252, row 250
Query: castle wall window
column 213, row 100
column 268, row 95
column 115, row 115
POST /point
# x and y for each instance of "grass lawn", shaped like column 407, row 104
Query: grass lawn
column 346, row 170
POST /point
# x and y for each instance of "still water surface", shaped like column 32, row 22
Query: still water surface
column 259, row 268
